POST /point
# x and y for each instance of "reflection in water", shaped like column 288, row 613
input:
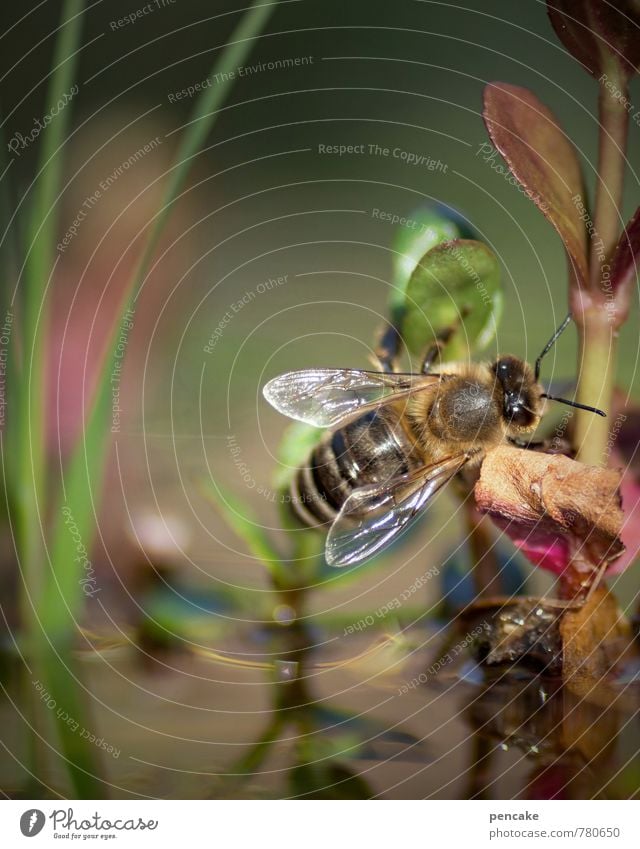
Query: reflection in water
column 569, row 742
column 325, row 743
column 333, row 718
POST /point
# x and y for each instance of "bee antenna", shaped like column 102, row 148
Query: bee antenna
column 549, row 346
column 575, row 404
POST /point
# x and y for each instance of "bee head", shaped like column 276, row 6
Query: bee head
column 520, row 401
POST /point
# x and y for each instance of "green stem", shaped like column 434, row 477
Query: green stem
column 597, row 326
column 597, row 362
column 614, row 121
column 486, row 570
column 256, row 755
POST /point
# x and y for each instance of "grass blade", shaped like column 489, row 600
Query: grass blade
column 39, row 263
column 240, row 519
column 85, row 471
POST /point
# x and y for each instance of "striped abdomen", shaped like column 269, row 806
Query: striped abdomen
column 372, row 449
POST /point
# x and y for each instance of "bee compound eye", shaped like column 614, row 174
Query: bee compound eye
column 501, row 370
column 519, row 415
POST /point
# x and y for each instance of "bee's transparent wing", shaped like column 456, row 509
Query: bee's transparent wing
column 373, row 515
column 326, row 397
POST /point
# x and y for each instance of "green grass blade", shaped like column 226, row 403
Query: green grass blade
column 60, row 672
column 9, row 370
column 28, row 417
column 202, row 120
column 85, row 471
column 39, row 262
column 241, row 520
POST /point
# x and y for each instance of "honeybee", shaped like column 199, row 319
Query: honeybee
column 395, row 439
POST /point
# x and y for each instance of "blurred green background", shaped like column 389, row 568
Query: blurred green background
column 264, row 203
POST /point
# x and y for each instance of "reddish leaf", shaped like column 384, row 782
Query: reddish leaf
column 625, row 265
column 543, row 160
column 623, row 450
column 630, row 534
column 599, row 34
column 564, row 516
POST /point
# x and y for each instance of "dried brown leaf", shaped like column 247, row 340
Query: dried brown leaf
column 594, row 638
column 565, row 516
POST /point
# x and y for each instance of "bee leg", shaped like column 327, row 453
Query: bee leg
column 388, row 348
column 555, row 445
column 531, row 446
column 434, row 351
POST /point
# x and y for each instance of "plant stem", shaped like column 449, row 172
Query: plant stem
column 597, row 326
column 597, row 364
column 614, row 121
column 483, row 556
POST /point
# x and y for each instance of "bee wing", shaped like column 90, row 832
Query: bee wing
column 326, row 397
column 373, row 515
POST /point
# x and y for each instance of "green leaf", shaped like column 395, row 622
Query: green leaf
column 298, row 441
column 428, row 226
column 240, row 518
column 544, row 162
column 457, row 282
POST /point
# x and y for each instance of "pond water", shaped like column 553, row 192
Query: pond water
column 287, row 712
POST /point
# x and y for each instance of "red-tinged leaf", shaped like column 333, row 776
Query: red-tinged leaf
column 624, row 439
column 630, row 534
column 563, row 515
column 543, row 160
column 625, row 266
column 599, row 34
